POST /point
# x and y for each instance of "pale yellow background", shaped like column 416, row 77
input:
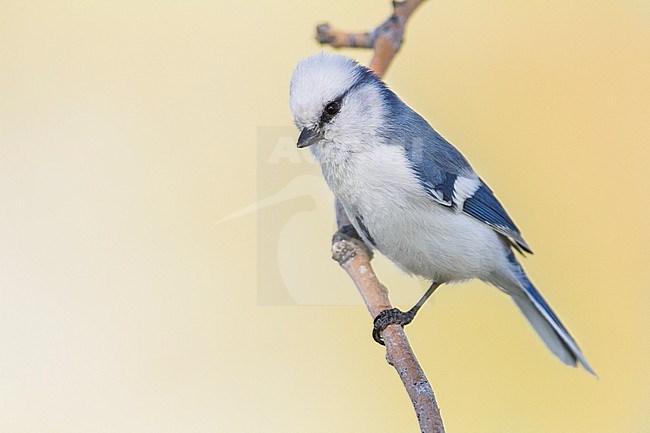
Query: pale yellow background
column 128, row 129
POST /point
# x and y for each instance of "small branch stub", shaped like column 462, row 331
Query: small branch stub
column 325, row 34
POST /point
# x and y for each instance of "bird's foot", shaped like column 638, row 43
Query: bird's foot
column 392, row 316
column 349, row 231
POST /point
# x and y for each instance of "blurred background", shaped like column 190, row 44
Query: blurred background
column 164, row 248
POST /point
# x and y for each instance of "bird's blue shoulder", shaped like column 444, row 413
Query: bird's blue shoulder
column 432, row 157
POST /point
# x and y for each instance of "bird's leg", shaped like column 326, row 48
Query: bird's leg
column 393, row 316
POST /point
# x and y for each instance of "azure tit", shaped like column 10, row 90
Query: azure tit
column 410, row 194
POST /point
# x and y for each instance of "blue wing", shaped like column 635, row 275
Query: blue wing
column 446, row 175
column 469, row 194
column 485, row 207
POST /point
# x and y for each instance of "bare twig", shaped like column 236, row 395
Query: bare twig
column 386, row 39
column 353, row 255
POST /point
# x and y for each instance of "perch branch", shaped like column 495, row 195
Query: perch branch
column 352, row 254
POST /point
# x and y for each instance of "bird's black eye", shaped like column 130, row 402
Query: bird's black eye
column 332, row 108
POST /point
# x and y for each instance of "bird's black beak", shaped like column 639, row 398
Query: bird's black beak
column 308, row 137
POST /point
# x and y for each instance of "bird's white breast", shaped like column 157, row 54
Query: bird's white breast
column 406, row 225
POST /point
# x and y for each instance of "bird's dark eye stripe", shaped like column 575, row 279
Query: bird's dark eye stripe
column 331, row 110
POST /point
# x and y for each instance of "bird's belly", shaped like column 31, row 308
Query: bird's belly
column 387, row 205
column 429, row 240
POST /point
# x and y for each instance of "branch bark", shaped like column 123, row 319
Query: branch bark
column 352, row 254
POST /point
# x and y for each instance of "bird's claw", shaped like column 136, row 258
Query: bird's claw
column 392, row 316
column 347, row 231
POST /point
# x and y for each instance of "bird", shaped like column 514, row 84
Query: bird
column 410, row 194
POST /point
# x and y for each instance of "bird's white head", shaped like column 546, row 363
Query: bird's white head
column 336, row 102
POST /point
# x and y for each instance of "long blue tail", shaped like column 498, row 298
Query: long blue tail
column 546, row 323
